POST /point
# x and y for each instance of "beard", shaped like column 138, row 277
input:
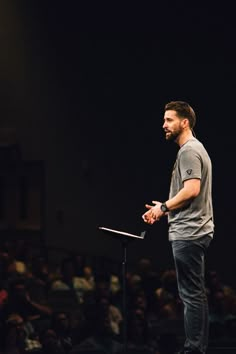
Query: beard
column 172, row 136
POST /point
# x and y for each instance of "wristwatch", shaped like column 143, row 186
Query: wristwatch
column 164, row 207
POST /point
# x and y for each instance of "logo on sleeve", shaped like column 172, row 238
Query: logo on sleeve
column 189, row 172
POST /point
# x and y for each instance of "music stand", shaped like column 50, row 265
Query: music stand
column 124, row 238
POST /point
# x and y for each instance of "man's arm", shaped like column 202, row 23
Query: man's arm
column 190, row 190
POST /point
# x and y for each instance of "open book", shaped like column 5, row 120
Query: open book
column 122, row 233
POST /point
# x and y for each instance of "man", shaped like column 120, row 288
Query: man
column 190, row 218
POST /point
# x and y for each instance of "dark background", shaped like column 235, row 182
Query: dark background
column 83, row 87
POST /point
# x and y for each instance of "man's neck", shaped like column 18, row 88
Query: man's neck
column 184, row 137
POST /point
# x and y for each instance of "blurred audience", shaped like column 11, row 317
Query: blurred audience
column 30, row 324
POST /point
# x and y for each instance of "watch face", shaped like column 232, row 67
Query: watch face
column 163, row 208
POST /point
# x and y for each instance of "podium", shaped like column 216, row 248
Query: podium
column 124, row 238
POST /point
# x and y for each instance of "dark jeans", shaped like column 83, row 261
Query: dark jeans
column 189, row 258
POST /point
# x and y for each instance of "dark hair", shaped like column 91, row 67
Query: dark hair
column 183, row 110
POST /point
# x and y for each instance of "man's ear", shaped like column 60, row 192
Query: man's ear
column 185, row 122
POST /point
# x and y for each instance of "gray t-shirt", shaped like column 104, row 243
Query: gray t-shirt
column 195, row 219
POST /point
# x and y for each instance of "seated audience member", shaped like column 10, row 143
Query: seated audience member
column 50, row 343
column 61, row 325
column 138, row 336
column 70, row 281
column 168, row 300
column 20, row 302
column 101, row 336
column 19, row 336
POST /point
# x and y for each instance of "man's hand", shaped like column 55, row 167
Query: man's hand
column 154, row 212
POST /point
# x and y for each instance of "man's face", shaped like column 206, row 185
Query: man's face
column 172, row 125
